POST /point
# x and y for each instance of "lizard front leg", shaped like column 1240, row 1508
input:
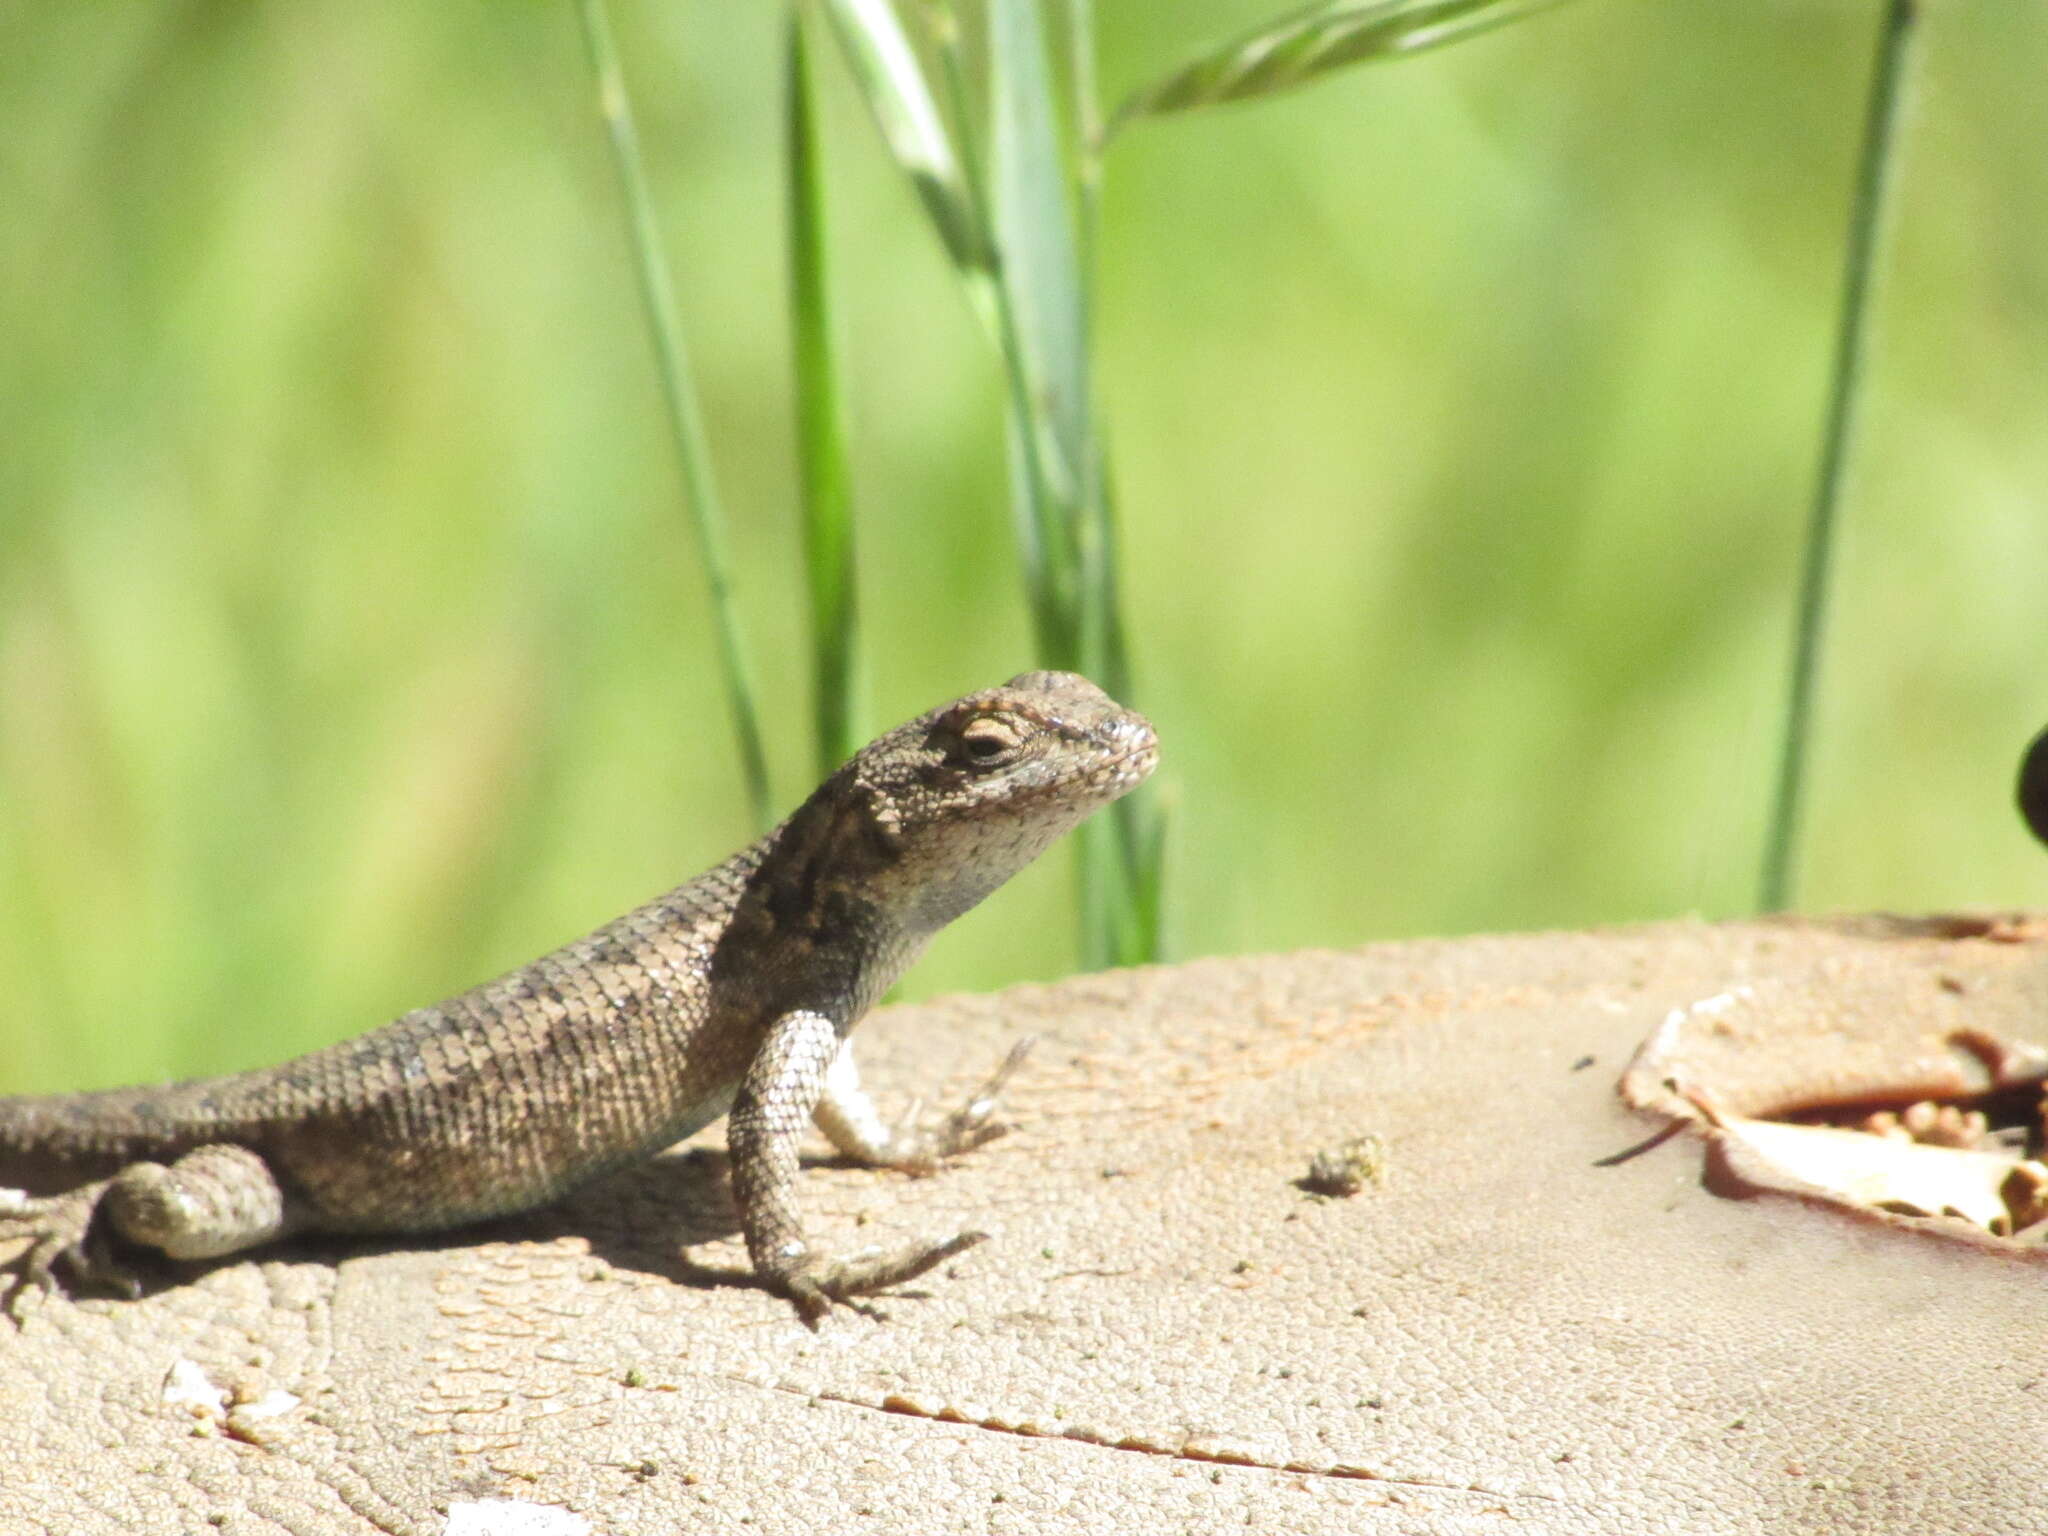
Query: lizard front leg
column 783, row 1087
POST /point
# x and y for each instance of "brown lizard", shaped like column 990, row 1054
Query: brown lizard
column 732, row 993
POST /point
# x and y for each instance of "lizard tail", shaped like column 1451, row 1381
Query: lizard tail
column 56, row 1142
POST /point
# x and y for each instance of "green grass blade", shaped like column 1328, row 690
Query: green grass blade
column 1009, row 226
column 1044, row 274
column 1145, row 855
column 1081, row 73
column 1889, row 80
column 820, row 422
column 679, row 391
column 1039, row 274
column 1139, row 935
column 1043, row 533
column 892, row 82
column 1043, row 339
column 1033, row 519
column 1314, row 42
column 1034, row 228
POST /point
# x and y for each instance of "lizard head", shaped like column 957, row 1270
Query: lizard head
column 965, row 796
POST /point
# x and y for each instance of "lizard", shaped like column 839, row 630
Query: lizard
column 732, row 994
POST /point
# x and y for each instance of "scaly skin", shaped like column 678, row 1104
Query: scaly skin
column 733, row 992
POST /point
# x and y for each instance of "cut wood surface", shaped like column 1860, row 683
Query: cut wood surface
column 1511, row 1326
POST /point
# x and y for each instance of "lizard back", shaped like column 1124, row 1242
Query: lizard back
column 453, row 1098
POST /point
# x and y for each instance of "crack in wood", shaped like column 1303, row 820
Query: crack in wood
column 903, row 1407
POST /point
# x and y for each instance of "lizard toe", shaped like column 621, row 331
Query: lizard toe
column 815, row 1297
column 818, row 1282
column 974, row 1124
column 61, row 1235
column 34, row 1271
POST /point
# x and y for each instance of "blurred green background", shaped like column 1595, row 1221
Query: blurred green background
column 1464, row 413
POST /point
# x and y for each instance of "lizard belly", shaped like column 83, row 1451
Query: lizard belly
column 378, row 1175
column 459, row 1128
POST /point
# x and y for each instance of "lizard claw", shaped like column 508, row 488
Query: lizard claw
column 60, row 1231
column 972, row 1125
column 817, row 1282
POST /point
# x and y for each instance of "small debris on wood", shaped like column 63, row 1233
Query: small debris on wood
column 1345, row 1169
column 2026, row 1195
column 1931, row 1124
column 513, row 1517
column 187, row 1386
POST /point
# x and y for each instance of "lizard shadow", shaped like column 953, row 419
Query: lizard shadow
column 644, row 1218
column 640, row 1218
column 647, row 1218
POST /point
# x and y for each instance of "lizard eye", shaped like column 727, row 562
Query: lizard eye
column 986, row 743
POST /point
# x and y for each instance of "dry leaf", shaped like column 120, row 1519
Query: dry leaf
column 1878, row 1171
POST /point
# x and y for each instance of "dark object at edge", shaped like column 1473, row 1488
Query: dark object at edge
column 2033, row 786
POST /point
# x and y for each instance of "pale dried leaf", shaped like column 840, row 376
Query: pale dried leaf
column 1882, row 1172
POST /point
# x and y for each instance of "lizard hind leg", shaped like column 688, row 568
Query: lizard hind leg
column 853, row 1124
column 61, row 1232
column 214, row 1200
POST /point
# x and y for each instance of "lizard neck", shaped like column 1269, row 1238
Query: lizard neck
column 811, row 929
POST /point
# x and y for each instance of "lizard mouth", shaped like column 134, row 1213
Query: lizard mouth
column 1129, row 767
column 1109, row 776
column 1137, row 762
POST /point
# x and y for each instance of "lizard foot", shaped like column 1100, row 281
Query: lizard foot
column 816, row 1282
column 60, row 1231
column 972, row 1125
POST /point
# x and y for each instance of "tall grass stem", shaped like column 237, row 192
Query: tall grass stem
column 1890, row 79
column 679, row 391
column 1041, row 536
column 825, row 476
